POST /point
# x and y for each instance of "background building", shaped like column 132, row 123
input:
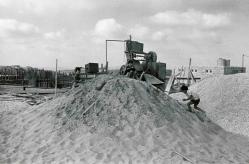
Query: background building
column 33, row 77
column 223, row 68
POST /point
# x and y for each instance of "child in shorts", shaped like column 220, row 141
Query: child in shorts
column 192, row 96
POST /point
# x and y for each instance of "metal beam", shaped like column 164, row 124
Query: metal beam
column 243, row 62
column 116, row 40
column 106, row 47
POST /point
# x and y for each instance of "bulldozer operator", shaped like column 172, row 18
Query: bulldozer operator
column 77, row 76
column 130, row 70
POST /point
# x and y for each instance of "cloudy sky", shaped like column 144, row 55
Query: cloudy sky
column 37, row 32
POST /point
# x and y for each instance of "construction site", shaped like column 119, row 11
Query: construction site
column 137, row 114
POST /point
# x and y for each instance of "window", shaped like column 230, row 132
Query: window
column 208, row 71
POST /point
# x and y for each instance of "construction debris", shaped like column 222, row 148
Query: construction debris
column 31, row 99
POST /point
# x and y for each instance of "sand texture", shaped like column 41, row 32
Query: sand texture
column 114, row 119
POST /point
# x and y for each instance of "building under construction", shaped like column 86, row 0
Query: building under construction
column 33, row 77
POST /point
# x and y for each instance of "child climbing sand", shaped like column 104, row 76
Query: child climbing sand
column 194, row 99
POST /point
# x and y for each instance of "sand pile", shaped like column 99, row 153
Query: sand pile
column 127, row 121
column 226, row 100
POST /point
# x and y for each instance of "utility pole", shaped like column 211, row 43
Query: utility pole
column 56, row 79
column 106, row 55
column 243, row 62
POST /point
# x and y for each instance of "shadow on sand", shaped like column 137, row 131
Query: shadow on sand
column 200, row 113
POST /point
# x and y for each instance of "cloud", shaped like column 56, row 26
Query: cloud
column 56, row 35
column 11, row 27
column 4, row 3
column 162, row 35
column 139, row 32
column 46, row 7
column 159, row 35
column 28, row 6
column 191, row 18
column 106, row 28
column 40, row 7
column 212, row 21
column 81, row 5
column 191, row 27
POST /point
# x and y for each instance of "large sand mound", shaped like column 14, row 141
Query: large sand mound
column 128, row 121
column 226, row 100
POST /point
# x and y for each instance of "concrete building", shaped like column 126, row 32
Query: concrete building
column 223, row 68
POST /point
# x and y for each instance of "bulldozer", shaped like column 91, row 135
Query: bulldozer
column 146, row 66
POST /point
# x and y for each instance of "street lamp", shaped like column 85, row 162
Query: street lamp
column 243, row 61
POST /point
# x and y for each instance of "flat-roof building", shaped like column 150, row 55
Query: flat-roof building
column 223, row 68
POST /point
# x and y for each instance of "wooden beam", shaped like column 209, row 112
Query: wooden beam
column 172, row 78
column 189, row 71
column 192, row 76
column 184, row 157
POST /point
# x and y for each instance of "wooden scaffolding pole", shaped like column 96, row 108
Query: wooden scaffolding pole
column 189, row 72
column 56, row 79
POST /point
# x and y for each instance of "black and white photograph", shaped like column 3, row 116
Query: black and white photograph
column 124, row 82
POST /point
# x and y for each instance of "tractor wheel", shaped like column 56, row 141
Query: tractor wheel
column 122, row 70
column 153, row 56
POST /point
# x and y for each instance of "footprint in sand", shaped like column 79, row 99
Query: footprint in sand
column 6, row 133
column 2, row 131
column 83, row 160
column 28, row 152
column 158, row 137
column 73, row 137
column 79, row 149
column 41, row 149
column 69, row 144
column 36, row 131
column 100, row 156
column 4, row 140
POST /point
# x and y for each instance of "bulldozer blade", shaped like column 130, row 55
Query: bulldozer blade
column 152, row 79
